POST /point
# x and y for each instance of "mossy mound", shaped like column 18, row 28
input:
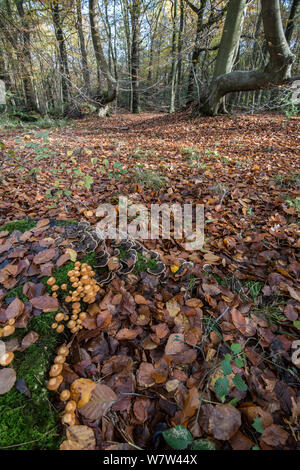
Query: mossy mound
column 31, row 422
column 28, row 418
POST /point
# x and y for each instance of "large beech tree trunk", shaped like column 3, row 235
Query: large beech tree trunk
column 276, row 72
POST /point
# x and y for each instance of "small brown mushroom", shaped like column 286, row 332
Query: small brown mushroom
column 70, row 406
column 55, row 370
column 69, row 419
column 54, row 382
column 60, row 328
column 65, row 395
column 8, row 330
column 6, row 358
column 60, row 359
column 51, row 281
column 63, row 350
column 59, row 317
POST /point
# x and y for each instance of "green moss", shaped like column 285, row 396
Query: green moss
column 16, row 292
column 144, row 263
column 32, row 423
column 22, row 225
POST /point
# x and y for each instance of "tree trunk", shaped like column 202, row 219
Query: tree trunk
column 84, row 62
column 291, row 21
column 179, row 53
column 102, row 97
column 174, row 62
column 276, row 72
column 63, row 58
column 26, row 58
column 196, row 52
column 135, row 13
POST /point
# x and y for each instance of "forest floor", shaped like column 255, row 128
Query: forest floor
column 212, row 349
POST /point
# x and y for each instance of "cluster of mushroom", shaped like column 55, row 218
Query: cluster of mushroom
column 55, row 382
column 85, row 289
column 8, row 329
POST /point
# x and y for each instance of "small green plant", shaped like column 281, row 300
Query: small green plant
column 189, row 152
column 180, row 438
column 141, row 154
column 222, row 383
column 116, row 170
column 293, row 202
column 143, row 263
column 149, row 178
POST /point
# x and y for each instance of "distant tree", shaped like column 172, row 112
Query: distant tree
column 276, row 72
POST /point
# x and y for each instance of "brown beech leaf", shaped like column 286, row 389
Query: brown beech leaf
column 46, row 303
column 101, row 399
column 144, row 375
column 29, row 339
column 44, row 256
column 191, row 403
column 8, row 378
column 62, row 259
column 241, row 442
column 224, row 422
column 175, row 344
column 140, row 409
column 14, row 309
column 275, row 435
column 140, row 300
column 238, row 320
column 126, row 334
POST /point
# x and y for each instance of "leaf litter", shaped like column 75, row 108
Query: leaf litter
column 212, row 349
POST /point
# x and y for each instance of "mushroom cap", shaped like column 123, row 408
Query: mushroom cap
column 60, row 328
column 6, row 358
column 8, row 330
column 51, row 281
column 70, row 406
column 55, row 370
column 59, row 316
column 63, row 350
column 54, row 382
column 65, row 395
column 60, row 359
column 69, row 418
column 71, row 324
